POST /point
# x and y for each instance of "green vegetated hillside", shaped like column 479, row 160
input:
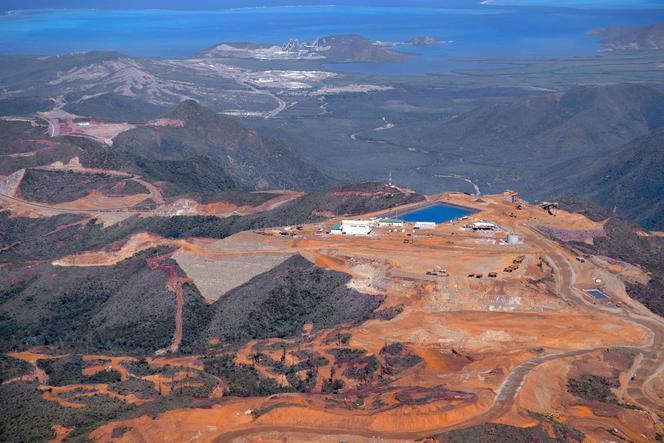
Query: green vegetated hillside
column 121, row 308
column 207, row 156
column 11, row 368
column 26, row 416
column 630, row 182
column 63, row 186
column 127, row 307
column 210, row 158
column 551, row 129
column 279, row 302
column 25, row 105
column 16, row 135
column 113, row 107
column 33, row 146
column 355, row 199
column 206, row 159
column 602, row 142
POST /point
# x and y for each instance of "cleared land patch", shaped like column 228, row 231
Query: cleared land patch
column 215, row 275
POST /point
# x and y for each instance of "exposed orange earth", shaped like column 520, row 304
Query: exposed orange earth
column 61, row 432
column 493, row 349
column 111, row 209
column 52, row 393
column 178, row 362
column 37, row 373
column 108, row 363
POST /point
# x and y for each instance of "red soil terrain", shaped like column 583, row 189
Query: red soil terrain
column 175, row 282
column 451, row 349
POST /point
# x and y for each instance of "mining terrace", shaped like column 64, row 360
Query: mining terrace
column 497, row 329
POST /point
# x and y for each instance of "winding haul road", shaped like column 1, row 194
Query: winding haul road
column 638, row 389
column 639, row 386
column 502, row 404
column 153, row 193
column 460, row 177
column 651, row 364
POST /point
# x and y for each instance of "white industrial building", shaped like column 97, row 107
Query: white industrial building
column 390, row 222
column 424, row 225
column 483, row 226
column 356, row 227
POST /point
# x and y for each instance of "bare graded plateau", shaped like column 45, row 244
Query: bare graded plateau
column 448, row 353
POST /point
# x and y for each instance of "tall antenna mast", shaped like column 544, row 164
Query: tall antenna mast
column 389, row 182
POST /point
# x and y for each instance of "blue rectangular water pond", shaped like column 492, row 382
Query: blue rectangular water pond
column 596, row 294
column 437, row 213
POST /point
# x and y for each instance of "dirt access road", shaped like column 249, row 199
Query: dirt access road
column 508, row 393
column 174, row 284
column 503, row 402
column 651, row 364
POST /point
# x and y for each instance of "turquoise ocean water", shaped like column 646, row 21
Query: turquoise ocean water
column 480, row 30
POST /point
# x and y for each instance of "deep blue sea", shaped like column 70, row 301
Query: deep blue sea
column 479, row 30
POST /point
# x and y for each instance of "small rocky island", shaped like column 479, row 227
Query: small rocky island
column 425, row 40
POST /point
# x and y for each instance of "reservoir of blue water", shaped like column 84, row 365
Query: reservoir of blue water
column 438, row 213
column 597, row 294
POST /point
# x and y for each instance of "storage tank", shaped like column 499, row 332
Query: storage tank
column 512, row 239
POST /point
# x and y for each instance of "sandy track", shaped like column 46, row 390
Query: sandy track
column 174, row 284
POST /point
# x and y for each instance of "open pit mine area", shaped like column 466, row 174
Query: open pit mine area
column 478, row 328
